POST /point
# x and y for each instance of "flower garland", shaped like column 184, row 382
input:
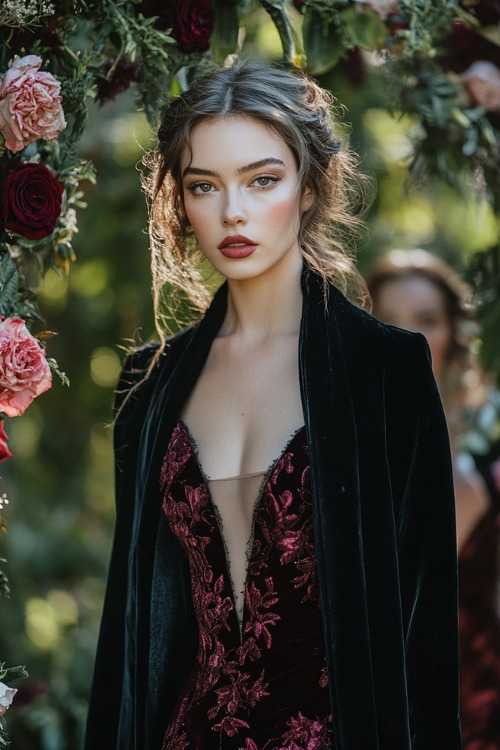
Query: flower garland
column 443, row 66
column 54, row 58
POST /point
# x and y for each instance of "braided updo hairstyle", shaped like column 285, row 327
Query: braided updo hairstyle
column 300, row 112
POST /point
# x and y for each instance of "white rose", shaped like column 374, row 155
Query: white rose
column 6, row 697
column 384, row 8
column 481, row 80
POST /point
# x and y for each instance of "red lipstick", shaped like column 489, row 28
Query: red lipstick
column 236, row 246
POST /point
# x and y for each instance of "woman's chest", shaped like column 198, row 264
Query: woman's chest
column 244, row 407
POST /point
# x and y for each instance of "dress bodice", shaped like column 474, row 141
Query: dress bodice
column 259, row 681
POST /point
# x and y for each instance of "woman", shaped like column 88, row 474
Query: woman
column 282, row 576
column 418, row 292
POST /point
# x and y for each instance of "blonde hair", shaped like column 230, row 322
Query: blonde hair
column 300, row 112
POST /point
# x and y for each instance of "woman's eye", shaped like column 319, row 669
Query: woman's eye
column 201, row 188
column 265, row 181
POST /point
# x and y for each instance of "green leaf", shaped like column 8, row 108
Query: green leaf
column 7, row 674
column 288, row 37
column 366, row 29
column 490, row 347
column 4, row 582
column 25, row 309
column 9, row 285
column 324, row 45
column 55, row 369
column 224, row 39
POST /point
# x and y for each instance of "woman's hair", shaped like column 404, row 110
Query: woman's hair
column 300, row 112
column 460, row 386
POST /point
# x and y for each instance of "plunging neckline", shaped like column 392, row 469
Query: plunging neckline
column 243, row 688
column 239, row 611
column 265, row 472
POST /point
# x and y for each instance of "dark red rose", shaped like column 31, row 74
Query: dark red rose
column 191, row 21
column 109, row 85
column 31, row 201
column 299, row 4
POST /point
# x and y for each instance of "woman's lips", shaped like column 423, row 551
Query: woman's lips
column 237, row 247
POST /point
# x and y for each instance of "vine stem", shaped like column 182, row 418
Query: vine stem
column 277, row 12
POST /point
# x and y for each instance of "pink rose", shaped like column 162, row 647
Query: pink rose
column 24, row 371
column 30, row 104
column 6, row 697
column 4, row 451
column 481, row 80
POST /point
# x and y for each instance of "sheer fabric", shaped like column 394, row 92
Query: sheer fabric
column 243, row 492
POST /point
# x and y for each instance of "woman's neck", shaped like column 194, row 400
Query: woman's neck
column 261, row 307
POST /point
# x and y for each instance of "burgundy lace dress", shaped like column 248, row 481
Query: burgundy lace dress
column 480, row 635
column 259, row 681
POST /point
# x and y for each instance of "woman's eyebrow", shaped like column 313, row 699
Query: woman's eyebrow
column 241, row 170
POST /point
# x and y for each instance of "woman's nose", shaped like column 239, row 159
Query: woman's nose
column 233, row 211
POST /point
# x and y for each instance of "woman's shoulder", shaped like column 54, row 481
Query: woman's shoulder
column 139, row 359
column 362, row 332
column 143, row 364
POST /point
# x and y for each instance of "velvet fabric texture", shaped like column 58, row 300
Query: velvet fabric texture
column 384, row 526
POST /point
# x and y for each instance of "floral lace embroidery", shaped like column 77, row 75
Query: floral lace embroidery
column 240, row 675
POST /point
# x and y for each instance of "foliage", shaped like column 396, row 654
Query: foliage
column 442, row 67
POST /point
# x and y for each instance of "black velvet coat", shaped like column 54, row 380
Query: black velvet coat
column 384, row 532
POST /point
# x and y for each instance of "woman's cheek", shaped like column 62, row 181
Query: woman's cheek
column 438, row 344
column 199, row 218
column 284, row 212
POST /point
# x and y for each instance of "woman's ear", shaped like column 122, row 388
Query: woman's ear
column 307, row 199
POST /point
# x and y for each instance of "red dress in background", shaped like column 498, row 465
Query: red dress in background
column 259, row 680
column 479, row 628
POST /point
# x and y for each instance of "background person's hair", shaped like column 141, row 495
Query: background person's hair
column 461, row 385
column 300, row 112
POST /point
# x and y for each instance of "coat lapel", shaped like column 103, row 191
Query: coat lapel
column 151, row 653
column 333, row 450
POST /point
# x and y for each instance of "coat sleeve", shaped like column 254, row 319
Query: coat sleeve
column 104, row 708
column 421, row 475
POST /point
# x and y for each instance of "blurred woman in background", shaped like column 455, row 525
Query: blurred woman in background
column 416, row 291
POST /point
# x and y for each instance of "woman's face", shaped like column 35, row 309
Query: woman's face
column 417, row 304
column 243, row 198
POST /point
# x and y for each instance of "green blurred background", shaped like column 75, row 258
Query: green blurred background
column 60, row 481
